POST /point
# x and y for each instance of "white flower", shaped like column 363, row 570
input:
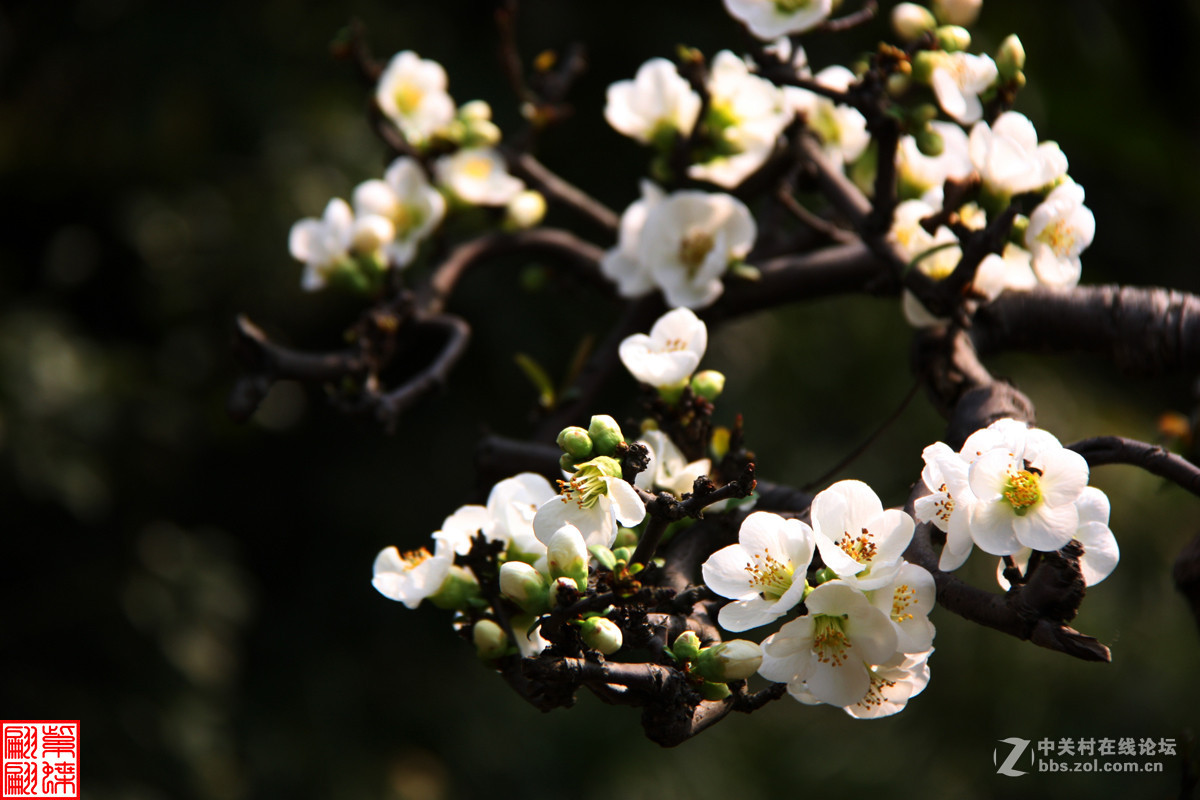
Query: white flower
column 461, row 527
column 746, row 114
column 936, row 254
column 1100, row 550
column 592, row 501
column 892, row 685
column 668, row 468
column 860, row 541
column 670, row 354
column 322, row 244
column 1010, row 160
column 1013, row 270
column 657, row 101
column 948, row 505
column 768, row 19
column 689, row 240
column 764, row 573
column 405, row 198
column 1026, row 491
column 478, row 176
column 826, row 655
column 924, row 172
column 411, row 577
column 1060, row 228
column 412, row 93
column 958, row 79
column 511, row 506
column 907, row 601
column 622, row 264
column 842, row 129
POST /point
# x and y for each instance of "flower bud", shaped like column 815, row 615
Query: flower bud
column 575, row 442
column 714, row 691
column 1010, row 58
column 458, row 591
column 524, row 585
column 687, row 646
column 626, row 537
column 708, row 384
column 484, row 133
column 930, row 142
column 957, row 12
column 370, row 233
column 953, row 38
column 606, row 435
column 923, row 64
column 600, row 633
column 567, row 556
column 490, row 639
column 567, row 463
column 910, row 21
column 563, row 592
column 475, row 111
column 525, row 210
column 729, row 661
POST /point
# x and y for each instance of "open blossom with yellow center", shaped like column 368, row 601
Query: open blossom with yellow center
column 478, row 176
column 948, row 505
column 408, row 201
column 412, row 93
column 658, row 102
column 412, row 576
column 907, row 601
column 826, row 655
column 1060, row 228
column 670, row 353
column 1100, row 550
column 594, row 499
column 892, row 685
column 770, row 19
column 1026, row 487
column 764, row 573
column 857, row 538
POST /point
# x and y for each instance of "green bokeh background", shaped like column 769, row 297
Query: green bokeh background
column 197, row 592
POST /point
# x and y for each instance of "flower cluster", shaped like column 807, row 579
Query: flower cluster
column 391, row 216
column 1012, row 489
column 864, row 638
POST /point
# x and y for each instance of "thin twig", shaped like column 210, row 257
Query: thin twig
column 866, row 443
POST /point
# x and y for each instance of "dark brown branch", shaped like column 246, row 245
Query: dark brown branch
column 390, row 404
column 525, row 166
column 1144, row 331
column 664, row 508
column 1151, row 457
column 852, row 20
column 558, row 244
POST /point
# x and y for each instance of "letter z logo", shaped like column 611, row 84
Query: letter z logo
column 1018, row 748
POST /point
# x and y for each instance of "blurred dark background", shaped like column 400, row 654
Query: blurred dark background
column 197, row 592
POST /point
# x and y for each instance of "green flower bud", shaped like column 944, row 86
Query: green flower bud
column 687, row 646
column 459, row 591
column 728, row 661
column 930, row 142
column 923, row 64
column 898, row 84
column 714, row 691
column 567, row 462
column 475, row 111
column 490, row 639
column 623, row 554
column 708, row 384
column 626, row 537
column 822, row 575
column 525, row 586
column 606, row 435
column 953, row 38
column 1010, row 58
column 910, row 21
column 604, row 557
column 575, row 442
column 599, row 467
column 601, row 634
column 567, row 556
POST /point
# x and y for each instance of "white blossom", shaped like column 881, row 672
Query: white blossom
column 478, row 176
column 841, row 128
column 764, row 573
column 907, row 601
column 957, row 12
column 668, row 469
column 768, row 19
column 511, row 506
column 406, row 199
column 413, row 576
column 826, row 655
column 594, row 503
column 958, row 79
column 669, row 355
column 892, row 685
column 1008, row 157
column 924, row 172
column 1100, row 550
column 412, row 93
column 1060, row 228
column 657, row 101
column 322, row 244
column 948, row 505
column 688, row 241
column 857, row 538
column 622, row 264
column 997, row 273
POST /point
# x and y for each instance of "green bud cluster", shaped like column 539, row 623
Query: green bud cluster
column 601, row 438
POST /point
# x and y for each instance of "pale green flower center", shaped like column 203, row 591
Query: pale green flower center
column 1023, row 491
column 769, row 575
column 405, row 217
column 791, row 6
column 587, row 485
column 694, row 248
column 1060, row 237
column 830, row 642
